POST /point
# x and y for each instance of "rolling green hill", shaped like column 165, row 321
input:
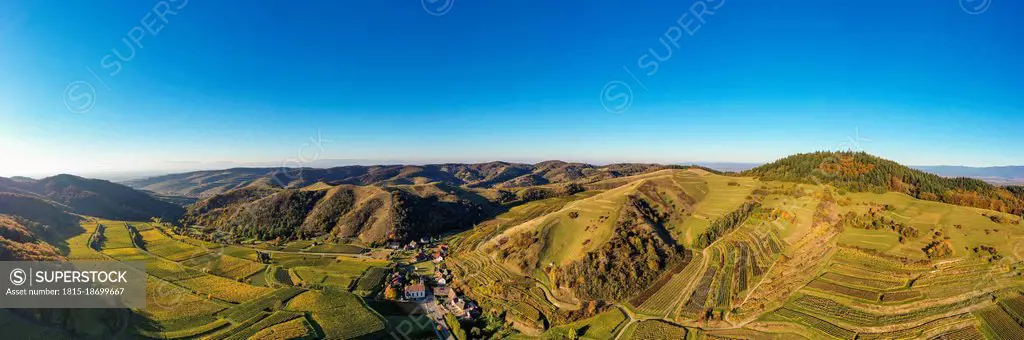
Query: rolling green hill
column 766, row 257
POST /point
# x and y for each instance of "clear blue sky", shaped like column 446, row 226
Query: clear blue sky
column 924, row 82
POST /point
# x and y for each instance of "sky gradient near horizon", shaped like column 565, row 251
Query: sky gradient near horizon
column 223, row 83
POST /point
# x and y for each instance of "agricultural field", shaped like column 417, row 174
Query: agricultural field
column 602, row 326
column 668, row 297
column 657, row 329
column 178, row 311
column 156, row 242
column 239, row 252
column 342, row 315
column 221, row 288
column 115, row 235
column 225, row 266
column 998, row 324
column 184, row 302
column 371, row 280
column 79, row 245
column 336, row 248
column 271, row 320
column 249, row 309
column 296, row 328
column 340, row 272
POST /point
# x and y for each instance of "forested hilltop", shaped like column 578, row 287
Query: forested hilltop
column 859, row 171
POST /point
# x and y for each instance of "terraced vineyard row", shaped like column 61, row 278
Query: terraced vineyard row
column 667, row 276
column 933, row 328
column 816, row 323
column 831, row 309
column 966, row 333
column 833, row 288
column 998, row 324
column 496, row 289
column 695, row 304
column 670, row 294
column 868, row 283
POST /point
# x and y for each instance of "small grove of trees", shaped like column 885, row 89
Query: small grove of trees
column 726, row 223
column 877, row 222
column 98, row 238
column 938, row 249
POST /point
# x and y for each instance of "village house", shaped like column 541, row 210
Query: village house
column 416, row 291
column 457, row 306
column 442, row 294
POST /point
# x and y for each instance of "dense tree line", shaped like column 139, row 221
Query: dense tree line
column 726, row 223
column 1016, row 190
column 859, row 171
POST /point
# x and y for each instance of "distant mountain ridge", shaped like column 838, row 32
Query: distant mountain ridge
column 478, row 175
column 206, row 183
column 995, row 174
column 92, row 197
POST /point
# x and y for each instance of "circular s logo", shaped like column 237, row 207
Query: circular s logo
column 79, row 96
column 18, row 276
column 437, row 7
column 616, row 96
column 975, row 6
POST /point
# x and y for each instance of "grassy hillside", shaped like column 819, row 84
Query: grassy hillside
column 858, row 171
column 783, row 259
column 584, row 225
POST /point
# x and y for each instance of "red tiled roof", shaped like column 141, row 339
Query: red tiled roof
column 418, row 287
